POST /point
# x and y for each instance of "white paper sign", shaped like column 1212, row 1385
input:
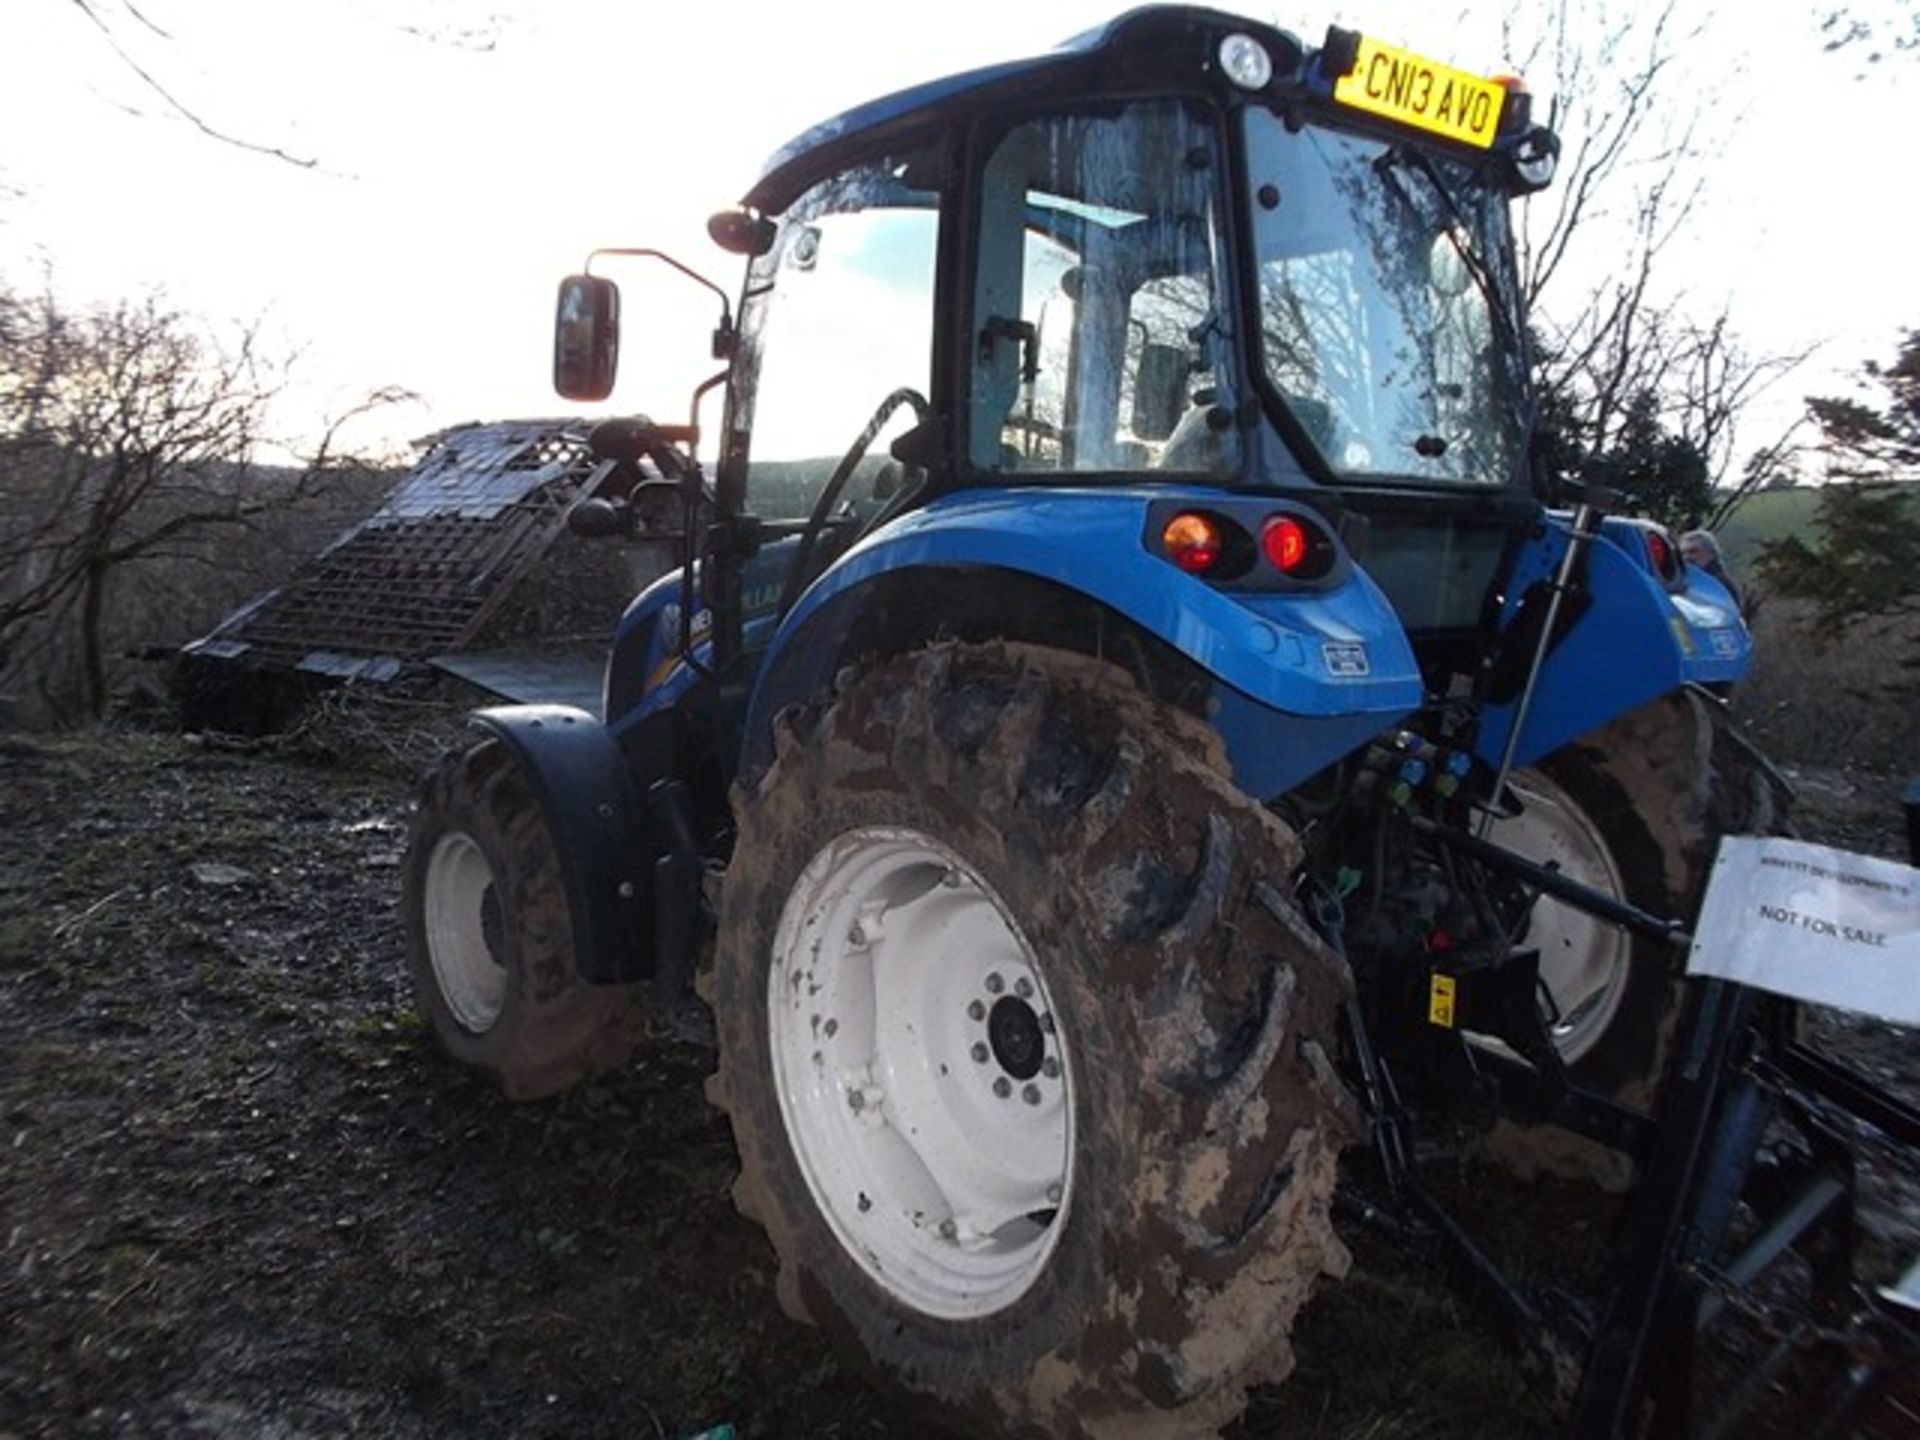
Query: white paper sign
column 1814, row 923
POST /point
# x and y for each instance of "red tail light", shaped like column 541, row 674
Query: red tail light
column 1660, row 552
column 1284, row 542
column 1192, row 542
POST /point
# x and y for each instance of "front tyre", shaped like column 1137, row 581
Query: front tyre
column 1032, row 1094
column 490, row 934
column 1636, row 811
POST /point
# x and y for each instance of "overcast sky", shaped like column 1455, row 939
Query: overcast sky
column 455, row 184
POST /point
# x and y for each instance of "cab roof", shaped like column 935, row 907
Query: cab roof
column 817, row 150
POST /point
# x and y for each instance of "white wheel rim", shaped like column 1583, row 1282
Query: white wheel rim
column 472, row 978
column 943, row 1174
column 1583, row 961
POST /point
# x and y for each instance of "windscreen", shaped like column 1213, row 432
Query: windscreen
column 1387, row 307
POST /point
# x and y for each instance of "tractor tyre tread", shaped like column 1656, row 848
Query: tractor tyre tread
column 553, row 1030
column 1208, row 1119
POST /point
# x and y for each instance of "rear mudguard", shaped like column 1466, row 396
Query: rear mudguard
column 601, row 830
column 1300, row 678
column 1633, row 641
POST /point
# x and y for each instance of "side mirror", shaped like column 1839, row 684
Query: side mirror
column 586, row 337
column 1160, row 390
column 740, row 232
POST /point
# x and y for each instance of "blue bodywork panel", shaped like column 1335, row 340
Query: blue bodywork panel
column 1635, row 642
column 1303, row 677
column 1280, row 707
column 648, row 640
column 1274, row 647
column 863, row 120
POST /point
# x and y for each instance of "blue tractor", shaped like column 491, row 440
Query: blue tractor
column 1132, row 722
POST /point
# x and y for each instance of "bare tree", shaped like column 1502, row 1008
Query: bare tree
column 1631, row 130
column 1631, row 175
column 129, row 442
column 142, row 46
column 112, row 18
column 1615, row 344
column 1872, row 30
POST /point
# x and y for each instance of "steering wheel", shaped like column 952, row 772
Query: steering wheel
column 818, row 517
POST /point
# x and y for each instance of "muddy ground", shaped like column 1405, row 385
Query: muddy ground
column 241, row 1197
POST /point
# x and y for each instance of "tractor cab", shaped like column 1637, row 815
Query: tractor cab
column 1185, row 252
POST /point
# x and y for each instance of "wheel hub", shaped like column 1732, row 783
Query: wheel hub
column 1583, row 961
column 1013, row 1034
column 924, row 1085
column 465, row 931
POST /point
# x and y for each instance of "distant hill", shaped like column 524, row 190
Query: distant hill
column 1773, row 515
column 1770, row 515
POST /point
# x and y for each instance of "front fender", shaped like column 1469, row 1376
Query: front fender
column 1313, row 673
column 1634, row 642
column 600, row 828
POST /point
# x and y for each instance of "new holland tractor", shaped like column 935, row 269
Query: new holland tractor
column 1133, row 721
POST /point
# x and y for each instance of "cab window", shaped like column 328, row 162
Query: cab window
column 1100, row 335
column 839, row 334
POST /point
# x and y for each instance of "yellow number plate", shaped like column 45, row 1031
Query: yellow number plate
column 1440, row 996
column 1400, row 85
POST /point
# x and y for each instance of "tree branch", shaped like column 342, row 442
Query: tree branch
column 172, row 101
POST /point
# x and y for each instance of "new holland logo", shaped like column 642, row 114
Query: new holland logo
column 1346, row 659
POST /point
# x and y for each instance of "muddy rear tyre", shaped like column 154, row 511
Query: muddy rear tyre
column 490, row 935
column 1073, row 1176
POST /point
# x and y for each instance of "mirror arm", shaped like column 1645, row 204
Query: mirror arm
column 700, row 392
column 726, row 307
column 693, row 491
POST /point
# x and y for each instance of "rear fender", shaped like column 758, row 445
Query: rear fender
column 1293, row 680
column 601, row 829
column 1632, row 642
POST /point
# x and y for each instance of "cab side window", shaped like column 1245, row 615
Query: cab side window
column 839, row 334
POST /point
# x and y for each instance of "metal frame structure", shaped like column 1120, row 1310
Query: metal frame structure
column 1748, row 1157
column 428, row 570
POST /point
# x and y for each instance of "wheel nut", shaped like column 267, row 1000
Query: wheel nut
column 1046, row 1023
column 980, row 1051
column 995, row 984
column 949, row 1230
column 1030, row 1094
column 1050, row 1068
column 1023, row 987
column 1003, row 1087
column 1054, row 1192
column 977, row 1011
